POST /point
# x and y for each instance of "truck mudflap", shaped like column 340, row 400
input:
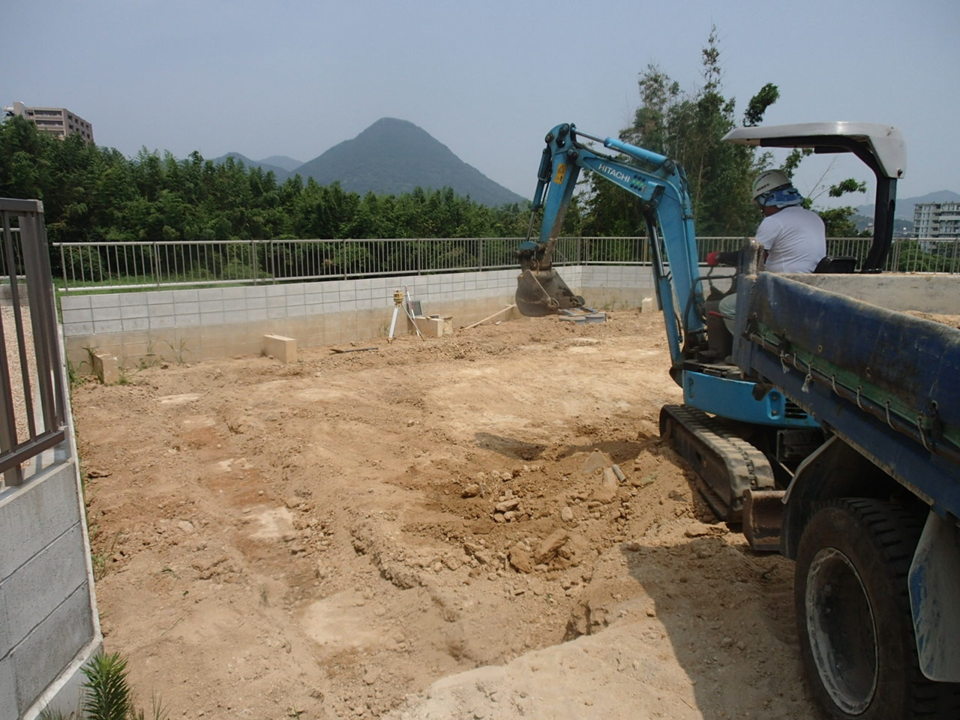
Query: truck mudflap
column 934, row 584
column 726, row 467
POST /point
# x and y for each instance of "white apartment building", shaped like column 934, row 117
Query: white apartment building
column 55, row 121
column 937, row 220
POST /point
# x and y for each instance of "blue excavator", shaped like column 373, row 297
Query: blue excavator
column 738, row 435
column 826, row 425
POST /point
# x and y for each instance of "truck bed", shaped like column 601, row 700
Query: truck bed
column 843, row 348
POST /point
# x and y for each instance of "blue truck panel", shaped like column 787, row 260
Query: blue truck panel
column 886, row 381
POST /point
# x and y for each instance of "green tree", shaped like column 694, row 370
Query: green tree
column 97, row 194
column 688, row 128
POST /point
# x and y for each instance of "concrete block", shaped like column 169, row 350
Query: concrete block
column 9, row 709
column 75, row 329
column 46, row 651
column 435, row 326
column 82, row 315
column 162, row 310
column 113, row 312
column 107, row 326
column 209, row 295
column 648, row 304
column 38, row 586
column 187, row 307
column 35, row 515
column 106, row 367
column 105, row 300
column 235, row 316
column 165, row 321
column 282, row 348
column 7, row 638
column 159, row 297
column 75, row 302
column 135, row 324
column 137, row 299
column 66, row 694
column 185, row 296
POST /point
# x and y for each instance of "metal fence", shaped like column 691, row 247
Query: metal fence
column 155, row 264
column 32, row 400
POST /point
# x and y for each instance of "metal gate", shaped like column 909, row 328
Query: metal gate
column 32, row 399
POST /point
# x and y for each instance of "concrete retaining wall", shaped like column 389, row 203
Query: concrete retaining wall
column 48, row 627
column 209, row 323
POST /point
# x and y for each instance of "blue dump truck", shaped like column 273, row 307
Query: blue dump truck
column 826, row 426
column 870, row 515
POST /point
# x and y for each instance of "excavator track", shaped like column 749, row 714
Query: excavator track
column 726, row 465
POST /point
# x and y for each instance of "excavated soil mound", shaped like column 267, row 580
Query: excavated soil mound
column 430, row 529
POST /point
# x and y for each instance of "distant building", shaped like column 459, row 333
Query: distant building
column 936, row 220
column 55, row 121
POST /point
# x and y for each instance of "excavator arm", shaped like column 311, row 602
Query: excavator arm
column 715, row 391
column 661, row 188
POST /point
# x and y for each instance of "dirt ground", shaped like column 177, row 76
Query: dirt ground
column 431, row 529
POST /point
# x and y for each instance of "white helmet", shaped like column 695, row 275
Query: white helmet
column 768, row 181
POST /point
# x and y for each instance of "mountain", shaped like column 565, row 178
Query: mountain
column 393, row 156
column 901, row 227
column 905, row 205
column 281, row 161
column 280, row 172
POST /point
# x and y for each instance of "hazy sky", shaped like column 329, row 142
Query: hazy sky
column 487, row 79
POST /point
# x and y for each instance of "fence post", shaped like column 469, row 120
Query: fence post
column 156, row 261
column 63, row 269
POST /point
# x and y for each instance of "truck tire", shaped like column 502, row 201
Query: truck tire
column 853, row 614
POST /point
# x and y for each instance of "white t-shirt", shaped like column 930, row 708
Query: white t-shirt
column 795, row 238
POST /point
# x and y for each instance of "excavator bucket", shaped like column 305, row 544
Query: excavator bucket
column 543, row 292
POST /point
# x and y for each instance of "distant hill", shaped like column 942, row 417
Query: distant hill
column 280, row 172
column 281, row 161
column 905, row 205
column 901, row 226
column 392, row 157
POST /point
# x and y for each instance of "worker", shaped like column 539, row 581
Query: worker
column 793, row 238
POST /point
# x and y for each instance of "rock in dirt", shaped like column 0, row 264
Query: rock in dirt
column 697, row 530
column 520, row 559
column 595, row 461
column 471, row 490
column 550, row 546
column 507, row 505
column 606, row 491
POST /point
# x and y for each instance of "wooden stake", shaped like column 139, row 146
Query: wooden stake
column 490, row 317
